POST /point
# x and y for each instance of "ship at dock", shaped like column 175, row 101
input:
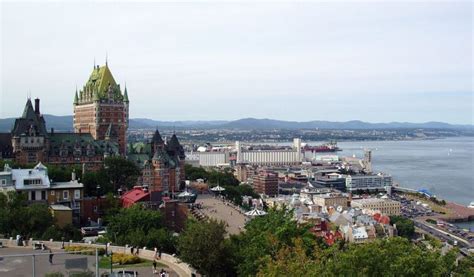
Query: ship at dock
column 326, row 147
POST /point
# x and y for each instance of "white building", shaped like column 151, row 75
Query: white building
column 34, row 182
column 270, row 157
column 368, row 182
column 209, row 159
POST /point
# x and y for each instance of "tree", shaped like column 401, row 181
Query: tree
column 382, row 257
column 121, row 172
column 194, row 173
column 140, row 227
column 16, row 217
column 63, row 173
column 405, row 226
column 265, row 237
column 203, row 246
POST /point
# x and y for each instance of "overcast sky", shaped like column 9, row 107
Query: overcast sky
column 203, row 61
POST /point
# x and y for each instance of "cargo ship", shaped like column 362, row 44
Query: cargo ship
column 327, row 147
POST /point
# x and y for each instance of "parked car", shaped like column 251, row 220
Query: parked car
column 91, row 231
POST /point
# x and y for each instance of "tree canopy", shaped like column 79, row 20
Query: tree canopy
column 202, row 244
column 139, row 227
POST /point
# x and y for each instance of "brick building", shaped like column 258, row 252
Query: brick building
column 101, row 109
column 164, row 169
column 100, row 125
column 266, row 182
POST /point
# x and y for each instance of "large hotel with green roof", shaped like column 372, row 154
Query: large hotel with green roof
column 100, row 126
column 101, row 109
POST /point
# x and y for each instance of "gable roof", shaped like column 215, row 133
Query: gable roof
column 29, row 120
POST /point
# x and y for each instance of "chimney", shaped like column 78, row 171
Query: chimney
column 37, row 106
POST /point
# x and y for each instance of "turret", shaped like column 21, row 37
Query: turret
column 76, row 98
column 125, row 95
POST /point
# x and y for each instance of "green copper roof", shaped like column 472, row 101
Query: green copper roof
column 100, row 79
column 97, row 86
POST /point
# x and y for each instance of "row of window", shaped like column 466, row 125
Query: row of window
column 65, row 194
column 27, row 182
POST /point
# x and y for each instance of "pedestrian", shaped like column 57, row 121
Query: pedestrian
column 131, row 249
column 51, row 256
column 154, row 267
column 159, row 253
column 136, row 253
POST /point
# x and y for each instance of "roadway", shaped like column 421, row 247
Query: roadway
column 441, row 233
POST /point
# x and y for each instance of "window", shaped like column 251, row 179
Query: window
column 43, row 195
column 32, row 182
column 77, row 194
column 52, row 192
column 95, row 209
column 65, row 194
column 33, row 195
column 3, row 182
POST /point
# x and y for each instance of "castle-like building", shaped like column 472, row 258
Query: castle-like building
column 100, row 126
column 101, row 109
column 162, row 165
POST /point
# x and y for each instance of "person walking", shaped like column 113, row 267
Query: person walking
column 131, row 249
column 154, row 266
column 51, row 256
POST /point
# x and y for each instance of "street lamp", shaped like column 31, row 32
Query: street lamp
column 97, row 200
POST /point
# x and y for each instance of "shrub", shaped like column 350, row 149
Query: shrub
column 120, row 258
column 85, row 250
column 54, row 274
column 82, row 274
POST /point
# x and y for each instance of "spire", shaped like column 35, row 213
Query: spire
column 125, row 94
column 94, row 63
column 76, row 99
column 28, row 112
column 106, row 58
column 157, row 138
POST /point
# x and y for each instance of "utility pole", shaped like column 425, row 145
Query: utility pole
column 96, row 262
column 34, row 266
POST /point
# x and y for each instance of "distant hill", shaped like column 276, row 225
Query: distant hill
column 253, row 123
column 59, row 123
column 64, row 123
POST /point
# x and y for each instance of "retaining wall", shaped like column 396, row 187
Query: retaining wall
column 181, row 268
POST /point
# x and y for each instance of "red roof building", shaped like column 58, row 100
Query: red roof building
column 137, row 194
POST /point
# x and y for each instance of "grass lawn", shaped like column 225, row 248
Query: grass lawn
column 104, row 262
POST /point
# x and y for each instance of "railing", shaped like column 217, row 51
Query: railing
column 173, row 262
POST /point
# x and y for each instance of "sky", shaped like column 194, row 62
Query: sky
column 338, row 61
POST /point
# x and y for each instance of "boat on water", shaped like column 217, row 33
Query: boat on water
column 471, row 205
column 327, row 147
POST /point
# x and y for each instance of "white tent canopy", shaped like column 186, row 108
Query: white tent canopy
column 255, row 212
column 185, row 194
column 218, row 188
